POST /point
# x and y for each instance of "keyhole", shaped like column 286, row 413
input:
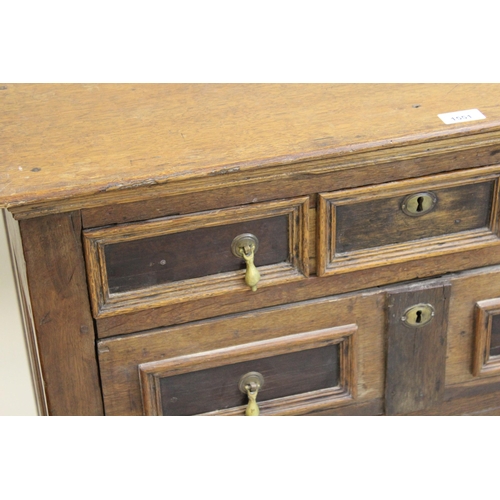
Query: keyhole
column 420, row 200
column 419, row 317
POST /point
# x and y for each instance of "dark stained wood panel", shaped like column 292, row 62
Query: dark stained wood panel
column 191, row 254
column 416, row 356
column 61, row 313
column 381, row 222
column 217, row 388
column 495, row 336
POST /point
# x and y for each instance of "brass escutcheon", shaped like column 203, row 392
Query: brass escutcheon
column 419, row 204
column 418, row 315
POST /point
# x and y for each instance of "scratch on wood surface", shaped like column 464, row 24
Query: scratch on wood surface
column 133, row 160
column 115, row 186
column 3, row 181
column 72, row 274
column 223, row 171
column 46, row 319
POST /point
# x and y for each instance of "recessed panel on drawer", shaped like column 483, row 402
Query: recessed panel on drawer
column 495, row 336
column 136, row 264
column 486, row 355
column 163, row 261
column 379, row 222
column 218, row 388
column 293, row 373
column 405, row 220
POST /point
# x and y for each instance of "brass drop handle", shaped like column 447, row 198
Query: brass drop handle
column 252, row 406
column 251, row 384
column 245, row 246
column 252, row 276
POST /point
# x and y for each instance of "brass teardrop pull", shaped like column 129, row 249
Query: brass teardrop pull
column 245, row 246
column 251, row 384
column 252, row 406
column 252, row 276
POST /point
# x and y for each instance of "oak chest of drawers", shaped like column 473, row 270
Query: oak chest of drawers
column 282, row 249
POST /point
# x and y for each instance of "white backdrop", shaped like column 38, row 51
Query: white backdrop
column 16, row 388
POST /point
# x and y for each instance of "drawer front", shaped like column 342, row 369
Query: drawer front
column 217, row 388
column 210, row 382
column 314, row 356
column 406, row 220
column 160, row 262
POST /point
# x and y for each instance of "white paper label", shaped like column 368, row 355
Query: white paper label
column 468, row 115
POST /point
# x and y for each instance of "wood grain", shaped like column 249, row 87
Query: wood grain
column 310, row 177
column 416, row 356
column 468, row 289
column 61, row 313
column 217, row 388
column 120, row 357
column 477, row 398
column 353, row 409
column 366, row 227
column 65, row 141
column 132, row 155
column 486, row 359
column 192, row 254
column 495, row 336
column 381, row 222
column 292, row 265
column 207, row 382
column 366, row 309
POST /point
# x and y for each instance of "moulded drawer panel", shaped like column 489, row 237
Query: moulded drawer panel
column 380, row 222
column 407, row 220
column 182, row 258
column 216, row 389
column 136, row 264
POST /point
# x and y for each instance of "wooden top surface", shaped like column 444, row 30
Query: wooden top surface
column 61, row 141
